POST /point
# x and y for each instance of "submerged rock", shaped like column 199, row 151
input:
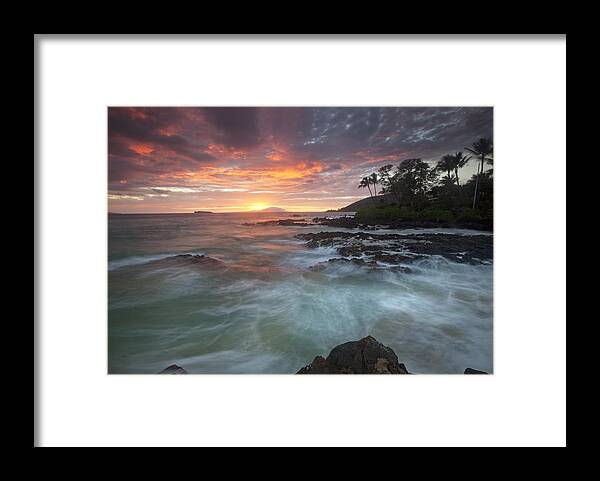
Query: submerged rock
column 195, row 259
column 173, row 369
column 367, row 356
column 474, row 371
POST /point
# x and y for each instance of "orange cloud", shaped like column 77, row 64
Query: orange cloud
column 141, row 149
column 297, row 171
column 278, row 153
column 224, row 175
column 220, row 150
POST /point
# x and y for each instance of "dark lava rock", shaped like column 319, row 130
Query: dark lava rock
column 474, row 371
column 173, row 369
column 326, row 236
column 284, row 222
column 393, row 258
column 347, row 222
column 351, row 223
column 367, row 356
column 401, row 248
column 189, row 261
column 373, row 265
column 355, row 260
column 352, row 250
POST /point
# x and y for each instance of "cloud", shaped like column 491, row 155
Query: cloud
column 232, row 152
column 238, row 126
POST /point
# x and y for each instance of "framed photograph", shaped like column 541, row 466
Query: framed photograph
column 252, row 240
column 288, row 223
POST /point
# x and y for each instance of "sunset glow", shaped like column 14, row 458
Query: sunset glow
column 257, row 206
column 240, row 159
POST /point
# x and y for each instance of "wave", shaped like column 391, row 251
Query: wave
column 438, row 318
column 139, row 260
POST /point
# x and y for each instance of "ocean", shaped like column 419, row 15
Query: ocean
column 257, row 304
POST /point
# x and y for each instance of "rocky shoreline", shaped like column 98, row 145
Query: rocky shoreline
column 393, row 249
column 365, row 356
column 350, row 222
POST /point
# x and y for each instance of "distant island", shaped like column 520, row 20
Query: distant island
column 202, row 212
column 271, row 209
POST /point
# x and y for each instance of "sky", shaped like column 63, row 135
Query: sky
column 305, row 159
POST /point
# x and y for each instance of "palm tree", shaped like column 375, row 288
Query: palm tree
column 365, row 182
column 459, row 162
column 446, row 164
column 374, row 180
column 483, row 149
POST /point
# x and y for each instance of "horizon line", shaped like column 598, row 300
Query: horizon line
column 228, row 212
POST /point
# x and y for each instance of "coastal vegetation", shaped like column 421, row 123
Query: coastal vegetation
column 416, row 190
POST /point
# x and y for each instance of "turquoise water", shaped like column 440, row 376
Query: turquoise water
column 263, row 310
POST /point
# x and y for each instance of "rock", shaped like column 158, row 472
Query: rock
column 283, row 222
column 173, row 369
column 318, row 366
column 367, row 356
column 373, row 265
column 343, row 261
column 393, row 258
column 404, row 248
column 349, row 222
column 346, row 222
column 352, row 250
column 474, row 371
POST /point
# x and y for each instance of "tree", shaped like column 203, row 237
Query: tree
column 374, row 180
column 446, row 164
column 460, row 161
column 385, row 174
column 485, row 192
column 413, row 179
column 483, row 149
column 365, row 182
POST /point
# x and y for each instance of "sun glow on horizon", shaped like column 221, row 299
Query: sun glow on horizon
column 257, row 206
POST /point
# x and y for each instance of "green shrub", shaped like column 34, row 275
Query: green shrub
column 389, row 213
column 436, row 215
column 474, row 215
column 378, row 213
